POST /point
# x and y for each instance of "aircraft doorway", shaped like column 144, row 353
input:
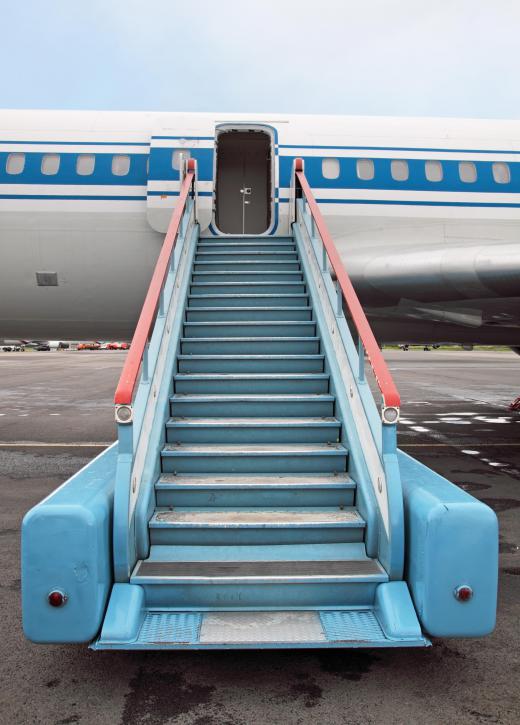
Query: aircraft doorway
column 243, row 189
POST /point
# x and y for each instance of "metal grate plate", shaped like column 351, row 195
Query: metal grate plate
column 352, row 626
column 261, row 627
column 170, row 627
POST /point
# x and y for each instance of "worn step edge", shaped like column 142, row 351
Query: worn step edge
column 214, row 572
column 251, row 376
column 248, row 518
column 266, row 397
column 253, row 450
column 248, row 422
column 232, row 481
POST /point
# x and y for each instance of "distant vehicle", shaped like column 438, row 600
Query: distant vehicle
column 89, row 346
column 43, row 348
column 13, row 348
column 117, row 346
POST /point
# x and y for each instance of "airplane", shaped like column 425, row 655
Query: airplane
column 425, row 213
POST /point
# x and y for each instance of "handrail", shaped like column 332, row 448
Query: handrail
column 128, row 379
column 391, row 397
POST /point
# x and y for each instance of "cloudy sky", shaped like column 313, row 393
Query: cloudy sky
column 383, row 57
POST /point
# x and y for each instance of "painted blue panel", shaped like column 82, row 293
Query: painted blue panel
column 137, row 175
column 452, row 540
column 125, row 613
column 395, row 611
column 66, row 546
column 416, row 181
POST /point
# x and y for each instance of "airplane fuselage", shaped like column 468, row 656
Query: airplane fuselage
column 425, row 213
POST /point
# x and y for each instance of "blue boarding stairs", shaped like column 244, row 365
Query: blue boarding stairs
column 255, row 497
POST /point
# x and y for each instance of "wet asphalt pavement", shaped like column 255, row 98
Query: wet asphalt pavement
column 56, row 414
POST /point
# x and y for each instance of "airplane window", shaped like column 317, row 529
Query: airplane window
column 365, row 169
column 120, row 165
column 399, row 170
column 330, row 168
column 85, row 164
column 50, row 164
column 467, row 172
column 433, row 170
column 15, row 163
column 177, row 156
column 501, row 173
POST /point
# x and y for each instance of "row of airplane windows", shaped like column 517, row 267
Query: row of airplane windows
column 330, row 167
column 85, row 163
column 50, row 164
column 433, row 170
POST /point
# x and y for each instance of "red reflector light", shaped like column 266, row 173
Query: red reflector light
column 463, row 593
column 57, row 599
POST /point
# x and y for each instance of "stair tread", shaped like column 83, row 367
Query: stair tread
column 229, row 263
column 257, row 517
column 251, row 449
column 247, row 272
column 310, row 338
column 239, row 295
column 251, row 376
column 251, row 309
column 247, row 481
column 252, row 253
column 250, row 284
column 315, row 356
column 255, row 323
column 342, row 569
column 331, row 626
column 251, row 397
column 256, row 422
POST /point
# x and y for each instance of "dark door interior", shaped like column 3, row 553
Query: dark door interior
column 243, row 187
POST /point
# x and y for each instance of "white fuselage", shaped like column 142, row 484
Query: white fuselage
column 425, row 212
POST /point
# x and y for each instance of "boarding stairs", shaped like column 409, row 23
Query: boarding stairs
column 254, row 531
column 256, row 497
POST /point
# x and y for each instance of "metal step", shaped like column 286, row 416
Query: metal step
column 241, row 239
column 260, row 526
column 245, row 345
column 248, row 300
column 253, row 430
column 237, row 265
column 362, row 626
column 257, row 383
column 332, row 489
column 246, row 246
column 280, row 628
column 246, row 406
column 257, row 458
column 250, row 363
column 247, row 314
column 245, row 277
column 247, row 287
column 234, row 255
column 250, row 329
column 242, row 572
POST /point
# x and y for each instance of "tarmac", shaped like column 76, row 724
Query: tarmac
column 56, row 413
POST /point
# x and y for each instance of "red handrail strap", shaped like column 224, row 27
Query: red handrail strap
column 391, row 397
column 128, row 379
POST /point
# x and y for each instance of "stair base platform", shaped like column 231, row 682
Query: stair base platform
column 389, row 622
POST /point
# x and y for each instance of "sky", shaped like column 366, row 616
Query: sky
column 367, row 57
